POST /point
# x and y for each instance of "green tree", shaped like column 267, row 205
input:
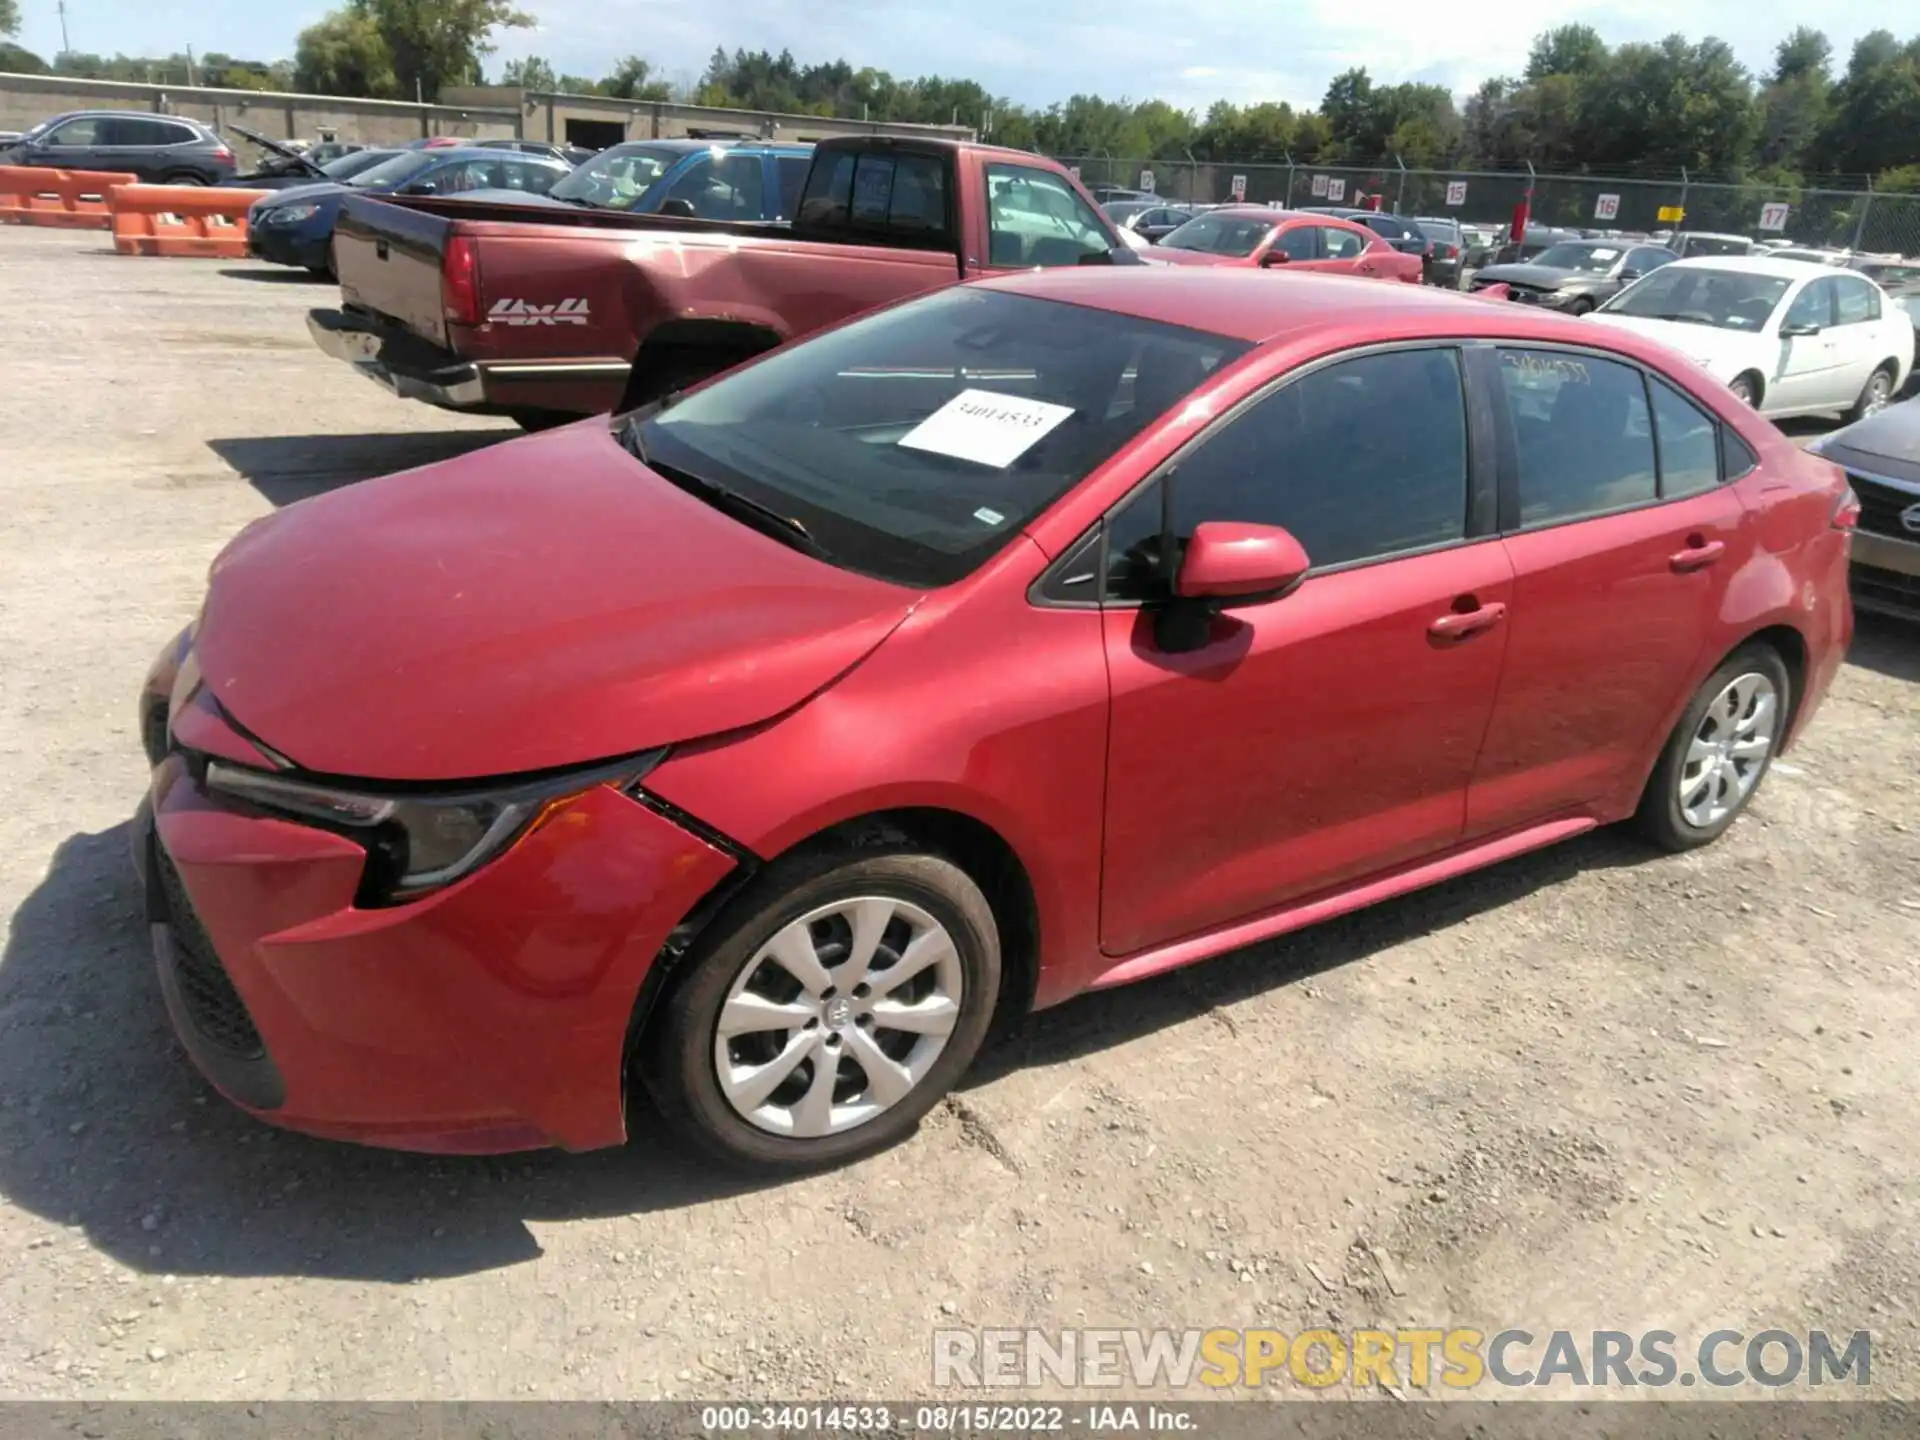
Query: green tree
column 1567, row 50
column 532, row 73
column 344, row 54
column 20, row 62
column 438, row 42
column 1874, row 124
column 9, row 17
column 1794, row 106
column 632, row 79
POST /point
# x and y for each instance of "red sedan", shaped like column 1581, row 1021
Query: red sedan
column 1261, row 239
column 753, row 751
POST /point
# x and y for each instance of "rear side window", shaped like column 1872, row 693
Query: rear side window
column 791, row 172
column 1688, row 443
column 1736, row 456
column 1341, row 244
column 539, row 179
column 1298, row 243
column 727, row 186
column 1361, row 459
column 903, row 194
column 1583, row 435
column 1857, row 301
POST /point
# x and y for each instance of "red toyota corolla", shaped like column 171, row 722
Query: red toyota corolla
column 1259, row 239
column 1031, row 637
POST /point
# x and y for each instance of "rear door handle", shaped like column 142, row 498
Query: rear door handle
column 1698, row 555
column 1458, row 625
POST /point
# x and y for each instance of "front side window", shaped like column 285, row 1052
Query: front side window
column 1034, row 218
column 1235, row 235
column 1584, row 440
column 1299, row 243
column 1855, row 301
column 727, row 186
column 84, row 131
column 535, row 179
column 791, row 173
column 1725, row 299
column 1359, row 460
column 1811, row 308
column 1689, row 443
column 912, row 444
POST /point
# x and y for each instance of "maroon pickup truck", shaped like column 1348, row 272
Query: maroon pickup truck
column 546, row 314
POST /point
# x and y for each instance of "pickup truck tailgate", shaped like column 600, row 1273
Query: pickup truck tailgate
column 388, row 257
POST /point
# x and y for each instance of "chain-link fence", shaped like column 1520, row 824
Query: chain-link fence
column 1849, row 219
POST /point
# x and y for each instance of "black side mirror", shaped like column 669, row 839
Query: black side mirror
column 1629, row 274
column 1275, row 257
column 678, row 208
column 422, row 187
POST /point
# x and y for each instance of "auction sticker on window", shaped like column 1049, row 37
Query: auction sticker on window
column 985, row 427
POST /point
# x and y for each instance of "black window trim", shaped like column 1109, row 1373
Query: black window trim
column 1482, row 474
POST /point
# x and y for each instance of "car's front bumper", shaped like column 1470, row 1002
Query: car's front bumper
column 288, row 245
column 494, row 1015
column 1886, row 575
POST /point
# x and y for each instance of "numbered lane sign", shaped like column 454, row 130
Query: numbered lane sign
column 1336, row 188
column 1774, row 216
column 1146, row 181
column 1456, row 192
column 1239, row 187
column 1607, row 207
column 1319, row 186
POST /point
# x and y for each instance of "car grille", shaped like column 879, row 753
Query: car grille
column 1878, row 589
column 217, row 1010
column 1881, row 505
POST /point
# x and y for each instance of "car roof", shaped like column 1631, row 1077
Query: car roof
column 1770, row 265
column 1258, row 306
column 1272, row 216
column 113, row 114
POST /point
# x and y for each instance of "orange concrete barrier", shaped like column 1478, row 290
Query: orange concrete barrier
column 63, row 199
column 182, row 220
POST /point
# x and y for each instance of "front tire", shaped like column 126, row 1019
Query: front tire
column 830, row 1007
column 1746, row 389
column 1719, row 752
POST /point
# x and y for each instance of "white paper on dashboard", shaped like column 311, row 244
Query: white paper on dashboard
column 985, row 427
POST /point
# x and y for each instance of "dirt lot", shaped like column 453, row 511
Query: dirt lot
column 1592, row 1087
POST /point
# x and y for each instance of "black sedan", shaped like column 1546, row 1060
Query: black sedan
column 1881, row 456
column 1575, row 275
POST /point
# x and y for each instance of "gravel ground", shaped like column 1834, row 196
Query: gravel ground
column 1590, row 1088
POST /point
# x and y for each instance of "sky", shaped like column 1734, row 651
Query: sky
column 1188, row 52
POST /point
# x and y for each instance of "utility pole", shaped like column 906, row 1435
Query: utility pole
column 64, row 46
column 189, row 65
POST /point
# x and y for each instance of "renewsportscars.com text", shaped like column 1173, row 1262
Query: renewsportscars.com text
column 1416, row 1359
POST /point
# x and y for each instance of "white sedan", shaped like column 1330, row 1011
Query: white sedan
column 1786, row 336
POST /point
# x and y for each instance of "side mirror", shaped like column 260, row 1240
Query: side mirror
column 1799, row 328
column 1233, row 563
column 422, row 187
column 679, row 209
column 1629, row 274
column 1275, row 257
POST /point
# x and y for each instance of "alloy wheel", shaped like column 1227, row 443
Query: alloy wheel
column 838, row 1016
column 1879, row 392
column 1729, row 750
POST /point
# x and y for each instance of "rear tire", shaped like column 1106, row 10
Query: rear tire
column 1711, row 765
column 1875, row 395
column 1746, row 389
column 185, row 177
column 1581, row 306
column 929, row 913
column 534, row 421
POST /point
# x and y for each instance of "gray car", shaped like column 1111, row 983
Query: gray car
column 159, row 149
column 1575, row 275
column 1881, row 456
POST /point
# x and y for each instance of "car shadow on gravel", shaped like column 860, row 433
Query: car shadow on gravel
column 1887, row 646
column 286, row 468
column 277, row 275
column 107, row 1129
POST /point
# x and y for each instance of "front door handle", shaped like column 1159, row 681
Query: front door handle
column 1698, row 555
column 1461, row 625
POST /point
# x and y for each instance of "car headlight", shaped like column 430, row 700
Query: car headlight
column 421, row 841
column 290, row 214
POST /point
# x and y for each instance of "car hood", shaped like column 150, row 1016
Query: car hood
column 1163, row 255
column 1887, row 443
column 541, row 603
column 514, row 197
column 1540, row 277
column 1722, row 353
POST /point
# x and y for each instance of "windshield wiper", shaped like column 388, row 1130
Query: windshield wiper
column 763, row 518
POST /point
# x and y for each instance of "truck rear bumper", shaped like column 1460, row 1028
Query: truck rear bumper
column 416, row 370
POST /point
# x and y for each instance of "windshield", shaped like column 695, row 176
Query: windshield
column 396, row 169
column 912, row 444
column 1589, row 259
column 615, row 178
column 1219, row 235
column 1728, row 299
column 359, row 162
